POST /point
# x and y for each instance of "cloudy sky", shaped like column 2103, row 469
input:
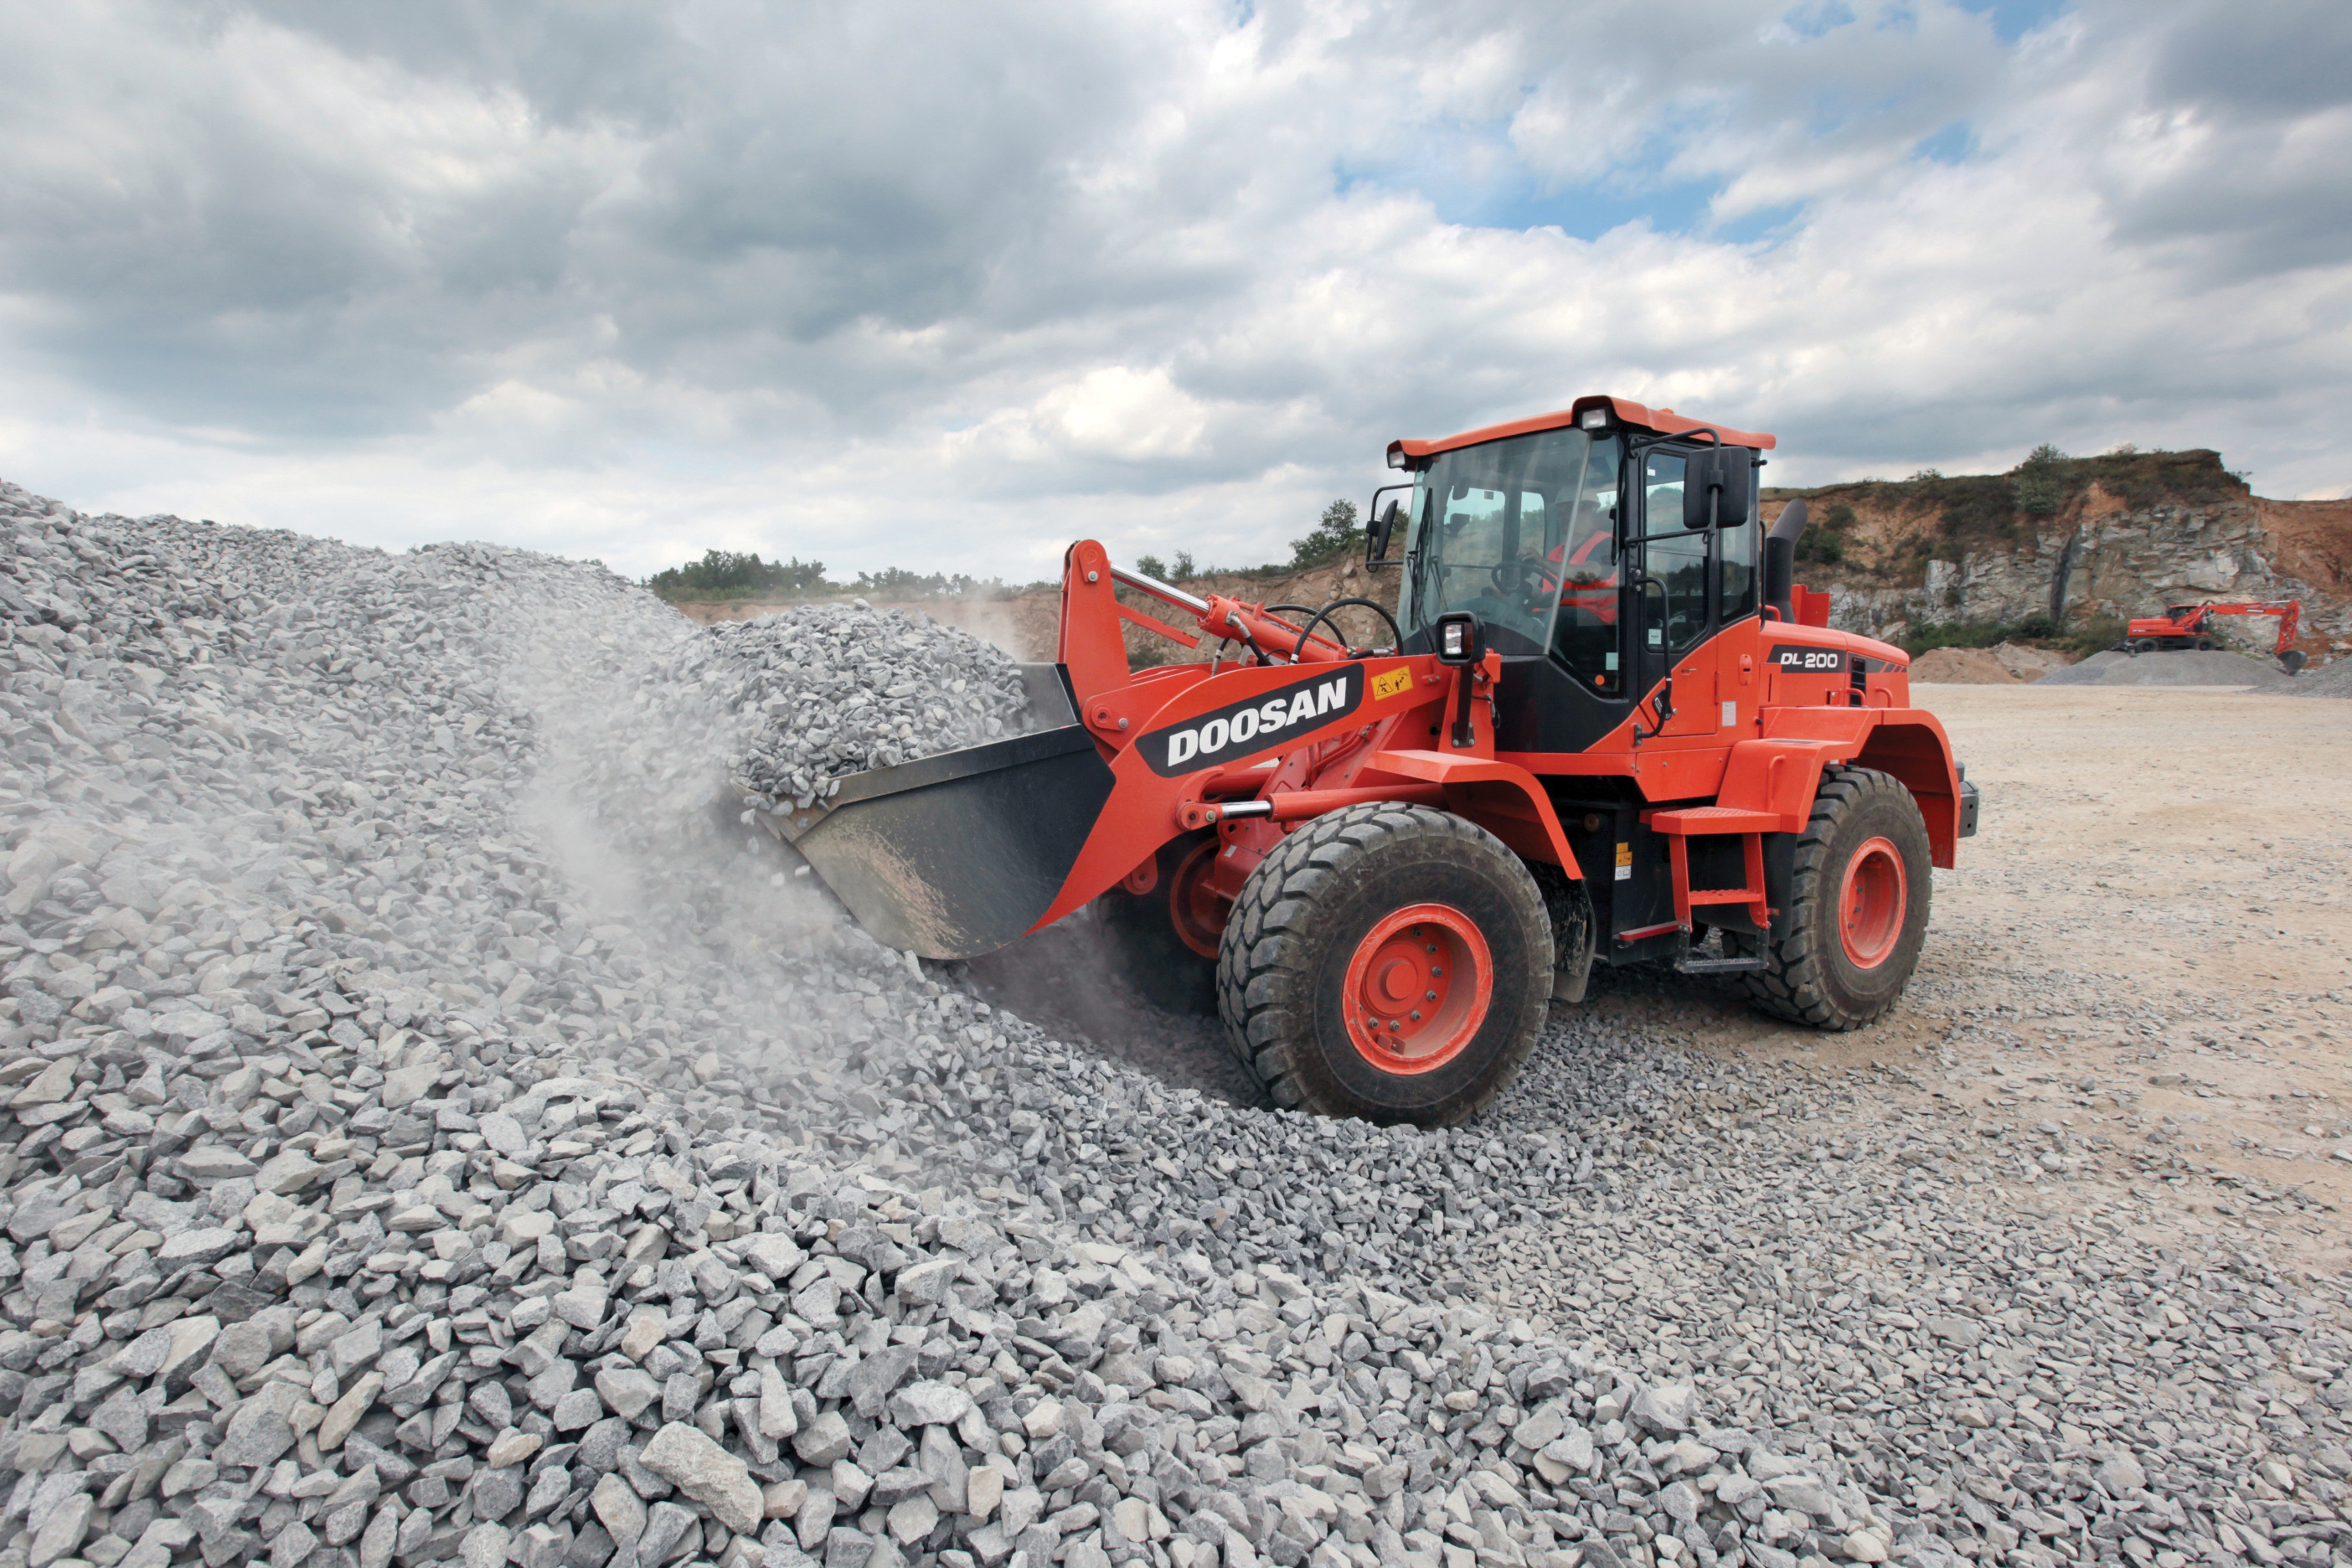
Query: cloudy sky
column 946, row 286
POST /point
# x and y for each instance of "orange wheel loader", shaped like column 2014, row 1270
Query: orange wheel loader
column 1604, row 726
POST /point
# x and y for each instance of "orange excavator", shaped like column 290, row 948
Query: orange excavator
column 2192, row 627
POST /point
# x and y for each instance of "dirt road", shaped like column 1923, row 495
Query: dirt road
column 2147, row 950
column 2156, row 907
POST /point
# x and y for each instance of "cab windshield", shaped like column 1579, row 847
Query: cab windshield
column 1523, row 532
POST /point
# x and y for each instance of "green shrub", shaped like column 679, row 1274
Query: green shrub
column 1335, row 534
column 1817, row 544
column 2086, row 638
column 1823, row 538
column 1973, row 505
column 1954, row 634
column 2193, row 478
column 2093, row 636
column 2039, row 483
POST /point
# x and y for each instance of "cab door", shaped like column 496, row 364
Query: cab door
column 1670, row 610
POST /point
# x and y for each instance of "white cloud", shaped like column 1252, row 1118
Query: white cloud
column 899, row 285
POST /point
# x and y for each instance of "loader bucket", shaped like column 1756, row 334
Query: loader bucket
column 957, row 855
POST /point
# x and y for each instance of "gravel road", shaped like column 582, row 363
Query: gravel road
column 438, row 1130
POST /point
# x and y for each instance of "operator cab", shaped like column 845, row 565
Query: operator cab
column 1592, row 561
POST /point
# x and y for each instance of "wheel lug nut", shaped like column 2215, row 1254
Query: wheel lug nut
column 1429, row 996
column 1416, row 1015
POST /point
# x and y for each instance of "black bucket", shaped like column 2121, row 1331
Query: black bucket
column 957, row 855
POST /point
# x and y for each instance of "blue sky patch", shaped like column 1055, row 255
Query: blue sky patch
column 1953, row 144
column 2012, row 19
column 1818, row 18
column 1588, row 213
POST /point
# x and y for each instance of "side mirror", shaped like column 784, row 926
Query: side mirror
column 1719, row 488
column 1382, row 528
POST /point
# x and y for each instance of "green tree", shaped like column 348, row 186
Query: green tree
column 898, row 583
column 1335, row 534
column 2039, row 483
column 1152, row 566
column 1823, row 539
column 732, row 574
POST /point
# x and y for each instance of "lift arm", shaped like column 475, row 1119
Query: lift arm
column 2288, row 610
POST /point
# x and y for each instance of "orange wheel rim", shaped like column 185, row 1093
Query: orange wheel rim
column 1873, row 897
column 1417, row 989
column 1197, row 908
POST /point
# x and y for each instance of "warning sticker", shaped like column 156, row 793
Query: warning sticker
column 1392, row 683
column 1624, row 862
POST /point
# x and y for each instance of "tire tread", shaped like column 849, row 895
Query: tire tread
column 1790, row 986
column 1258, row 978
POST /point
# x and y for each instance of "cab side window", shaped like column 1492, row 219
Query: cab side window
column 1676, row 557
column 1735, row 569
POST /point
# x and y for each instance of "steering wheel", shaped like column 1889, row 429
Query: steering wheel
column 1520, row 579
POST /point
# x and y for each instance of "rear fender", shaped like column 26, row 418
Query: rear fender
column 1782, row 774
column 1778, row 777
column 1913, row 747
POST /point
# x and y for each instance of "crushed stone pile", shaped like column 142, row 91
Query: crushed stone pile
column 2191, row 667
column 2333, row 680
column 437, row 1132
column 821, row 691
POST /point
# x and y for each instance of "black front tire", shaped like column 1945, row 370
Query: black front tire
column 1305, row 912
column 1810, row 975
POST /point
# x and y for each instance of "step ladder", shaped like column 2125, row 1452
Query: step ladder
column 1681, row 824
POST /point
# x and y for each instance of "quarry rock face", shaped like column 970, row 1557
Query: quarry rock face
column 2122, row 564
column 2176, row 528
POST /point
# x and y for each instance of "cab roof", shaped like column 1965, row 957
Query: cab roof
column 1621, row 411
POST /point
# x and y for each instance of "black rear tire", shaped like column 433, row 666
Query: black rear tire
column 1840, row 954
column 1338, row 902
column 1156, row 960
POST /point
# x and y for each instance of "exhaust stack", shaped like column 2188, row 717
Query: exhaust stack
column 1781, row 558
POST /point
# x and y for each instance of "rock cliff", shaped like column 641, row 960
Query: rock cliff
column 2124, row 534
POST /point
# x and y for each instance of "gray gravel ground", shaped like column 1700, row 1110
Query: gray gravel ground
column 438, row 1130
